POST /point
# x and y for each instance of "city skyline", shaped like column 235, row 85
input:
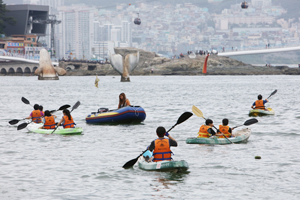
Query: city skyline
column 171, row 29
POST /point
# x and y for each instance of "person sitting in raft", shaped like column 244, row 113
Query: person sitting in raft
column 206, row 130
column 67, row 120
column 161, row 145
column 123, row 101
column 36, row 115
column 259, row 104
column 225, row 129
column 49, row 121
column 41, row 109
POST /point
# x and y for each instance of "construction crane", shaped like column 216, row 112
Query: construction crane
column 52, row 21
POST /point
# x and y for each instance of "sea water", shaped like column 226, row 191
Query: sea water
column 89, row 166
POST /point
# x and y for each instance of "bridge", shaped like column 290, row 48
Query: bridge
column 258, row 51
column 16, row 65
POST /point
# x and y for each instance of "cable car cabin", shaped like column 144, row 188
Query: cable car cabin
column 137, row 21
column 244, row 5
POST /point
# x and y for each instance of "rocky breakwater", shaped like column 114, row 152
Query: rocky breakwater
column 152, row 64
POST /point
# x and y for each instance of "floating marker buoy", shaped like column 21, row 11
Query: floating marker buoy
column 257, row 157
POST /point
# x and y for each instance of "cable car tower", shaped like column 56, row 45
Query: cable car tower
column 52, row 21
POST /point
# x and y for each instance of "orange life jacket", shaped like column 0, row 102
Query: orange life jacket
column 259, row 104
column 203, row 133
column 68, row 123
column 224, row 130
column 49, row 122
column 36, row 116
column 162, row 150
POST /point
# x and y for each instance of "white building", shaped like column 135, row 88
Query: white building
column 126, row 36
column 76, row 31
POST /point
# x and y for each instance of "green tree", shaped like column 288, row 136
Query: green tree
column 3, row 18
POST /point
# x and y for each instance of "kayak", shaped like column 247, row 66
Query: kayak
column 125, row 115
column 34, row 127
column 163, row 166
column 260, row 112
column 240, row 137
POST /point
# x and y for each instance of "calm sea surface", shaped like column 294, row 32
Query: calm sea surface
column 89, row 166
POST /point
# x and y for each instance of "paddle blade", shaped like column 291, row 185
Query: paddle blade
column 21, row 126
column 14, row 121
column 130, row 163
column 272, row 93
column 250, row 121
column 197, row 112
column 64, row 107
column 184, row 117
column 25, row 100
column 76, row 105
column 52, row 111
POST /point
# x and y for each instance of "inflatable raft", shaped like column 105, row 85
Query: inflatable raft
column 33, row 127
column 125, row 115
column 240, row 136
column 260, row 112
column 164, row 166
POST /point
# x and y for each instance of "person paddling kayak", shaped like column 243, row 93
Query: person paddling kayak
column 36, row 115
column 225, row 129
column 206, row 130
column 161, row 145
column 67, row 120
column 49, row 121
column 259, row 104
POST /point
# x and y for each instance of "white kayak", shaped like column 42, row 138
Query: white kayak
column 35, row 128
column 165, row 166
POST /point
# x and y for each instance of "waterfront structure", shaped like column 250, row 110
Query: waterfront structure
column 53, row 6
column 25, row 16
column 22, row 46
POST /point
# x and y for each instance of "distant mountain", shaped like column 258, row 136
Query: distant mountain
column 292, row 7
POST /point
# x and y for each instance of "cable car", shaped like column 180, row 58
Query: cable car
column 137, row 20
column 244, row 5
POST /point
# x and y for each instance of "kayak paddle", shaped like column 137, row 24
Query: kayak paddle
column 15, row 121
column 274, row 92
column 181, row 119
column 73, row 108
column 26, row 101
column 248, row 122
column 61, row 108
column 198, row 112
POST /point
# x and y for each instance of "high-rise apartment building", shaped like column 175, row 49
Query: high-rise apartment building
column 126, row 33
column 76, row 32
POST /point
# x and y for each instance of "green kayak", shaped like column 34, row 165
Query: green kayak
column 34, row 127
column 164, row 166
column 260, row 112
column 240, row 136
